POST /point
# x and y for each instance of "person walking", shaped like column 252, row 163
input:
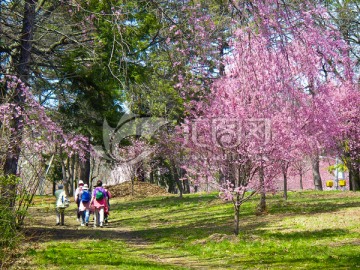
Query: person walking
column 61, row 203
column 107, row 207
column 84, row 205
column 77, row 196
column 98, row 199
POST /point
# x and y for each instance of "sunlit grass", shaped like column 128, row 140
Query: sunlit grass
column 85, row 254
column 312, row 230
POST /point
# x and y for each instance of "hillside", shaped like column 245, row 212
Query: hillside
column 141, row 189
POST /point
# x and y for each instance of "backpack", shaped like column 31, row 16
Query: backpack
column 85, row 196
column 63, row 201
column 66, row 202
column 99, row 195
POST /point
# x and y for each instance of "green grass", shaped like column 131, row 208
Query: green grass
column 105, row 254
column 312, row 230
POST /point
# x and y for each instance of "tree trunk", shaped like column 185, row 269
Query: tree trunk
column 186, row 182
column 53, row 187
column 221, row 179
column 64, row 175
column 237, row 215
column 262, row 204
column 316, row 172
column 132, row 185
column 177, row 179
column 23, row 70
column 151, row 180
column 354, row 178
column 140, row 174
column 72, row 175
column 285, row 185
column 85, row 168
column 301, row 181
column 186, row 186
column 284, row 168
column 223, row 43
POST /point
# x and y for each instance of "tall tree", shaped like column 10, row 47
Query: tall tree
column 28, row 47
column 276, row 73
column 22, row 69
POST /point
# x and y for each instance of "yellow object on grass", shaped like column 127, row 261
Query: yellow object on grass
column 342, row 183
column 329, row 183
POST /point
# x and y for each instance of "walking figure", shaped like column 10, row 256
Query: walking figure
column 77, row 198
column 84, row 205
column 99, row 201
column 61, row 203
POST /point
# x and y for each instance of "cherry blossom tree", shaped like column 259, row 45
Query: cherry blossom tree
column 39, row 136
column 299, row 168
column 283, row 78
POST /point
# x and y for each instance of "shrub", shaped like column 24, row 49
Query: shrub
column 10, row 236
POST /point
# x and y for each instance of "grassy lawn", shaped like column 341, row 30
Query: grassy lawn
column 312, row 230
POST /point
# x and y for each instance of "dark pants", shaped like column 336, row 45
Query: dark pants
column 60, row 213
column 78, row 214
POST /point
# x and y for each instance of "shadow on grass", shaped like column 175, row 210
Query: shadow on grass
column 310, row 208
column 198, row 228
column 44, row 234
column 169, row 201
column 172, row 222
column 318, row 234
column 193, row 224
column 276, row 205
column 176, row 218
column 102, row 254
column 307, row 262
column 299, row 250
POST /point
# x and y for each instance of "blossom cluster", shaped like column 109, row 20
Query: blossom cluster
column 40, row 134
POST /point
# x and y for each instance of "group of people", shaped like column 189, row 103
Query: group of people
column 96, row 202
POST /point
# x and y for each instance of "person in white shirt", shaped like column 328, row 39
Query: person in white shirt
column 77, row 196
column 61, row 203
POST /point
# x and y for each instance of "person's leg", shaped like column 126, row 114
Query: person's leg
column 101, row 216
column 62, row 213
column 87, row 216
column 78, row 214
column 82, row 213
column 57, row 216
column 96, row 217
column 106, row 216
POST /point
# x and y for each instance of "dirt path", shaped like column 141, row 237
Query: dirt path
column 41, row 228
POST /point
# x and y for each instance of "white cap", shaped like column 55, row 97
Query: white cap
column 81, row 182
column 86, row 186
